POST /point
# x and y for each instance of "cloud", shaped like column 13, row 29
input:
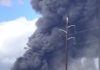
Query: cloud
column 13, row 38
column 9, row 3
column 6, row 2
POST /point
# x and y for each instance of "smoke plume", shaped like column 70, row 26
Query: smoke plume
column 47, row 45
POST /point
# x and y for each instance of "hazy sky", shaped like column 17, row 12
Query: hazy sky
column 17, row 23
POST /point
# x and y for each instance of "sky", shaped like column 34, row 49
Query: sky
column 17, row 23
column 12, row 9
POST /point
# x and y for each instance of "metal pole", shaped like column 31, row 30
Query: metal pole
column 66, row 49
column 67, row 38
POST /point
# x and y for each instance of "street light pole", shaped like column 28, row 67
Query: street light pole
column 70, row 30
column 66, row 48
column 68, row 37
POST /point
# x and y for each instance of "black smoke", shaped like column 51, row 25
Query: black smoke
column 47, row 45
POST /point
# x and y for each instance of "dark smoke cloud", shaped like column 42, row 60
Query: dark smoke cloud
column 47, row 45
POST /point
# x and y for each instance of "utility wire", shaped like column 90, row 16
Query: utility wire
column 78, row 32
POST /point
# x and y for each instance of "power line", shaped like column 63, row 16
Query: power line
column 85, row 30
column 77, row 32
